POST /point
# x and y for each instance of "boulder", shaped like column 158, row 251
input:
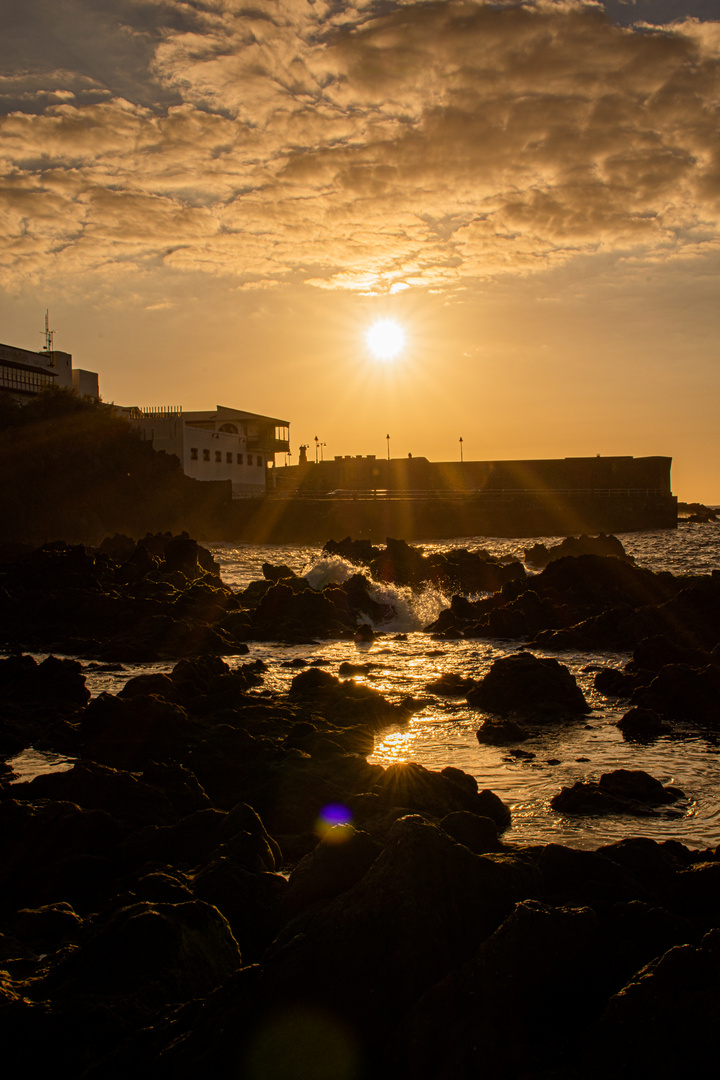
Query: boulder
column 416, row 788
column 662, row 1023
column 450, row 684
column 501, row 733
column 337, row 863
column 344, row 702
column 684, row 693
column 623, row 791
column 515, row 1004
column 540, row 688
column 480, row 834
column 146, row 956
column 643, row 725
column 129, row 733
column 417, row 911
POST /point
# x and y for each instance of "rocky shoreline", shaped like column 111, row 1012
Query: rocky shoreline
column 222, row 885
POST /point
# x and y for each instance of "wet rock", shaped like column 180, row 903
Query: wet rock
column 164, row 887
column 54, row 852
column 186, row 555
column 531, row 686
column 398, row 930
column 644, row 1029
column 438, row 794
column 348, row 670
column 130, row 733
column 572, row 876
column 345, row 702
column 652, row 863
column 39, row 702
column 336, row 864
column 683, row 692
column 653, row 653
column 634, row 933
column 47, row 926
column 614, row 682
column 400, row 564
column 643, row 725
column 501, row 733
column 360, row 552
column 251, row 902
column 480, row 834
column 512, row 1005
column 288, row 613
column 450, row 685
column 623, row 791
column 150, row 955
column 694, row 892
column 277, row 573
column 96, row 787
column 53, row 683
column 539, row 555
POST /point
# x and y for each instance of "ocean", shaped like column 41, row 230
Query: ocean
column 443, row 731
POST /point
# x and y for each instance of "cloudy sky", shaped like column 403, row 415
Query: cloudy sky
column 216, row 198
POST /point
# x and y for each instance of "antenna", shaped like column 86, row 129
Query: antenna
column 48, row 347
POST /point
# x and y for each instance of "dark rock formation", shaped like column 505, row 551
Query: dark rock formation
column 529, row 686
column 643, row 725
column 539, row 555
column 620, row 792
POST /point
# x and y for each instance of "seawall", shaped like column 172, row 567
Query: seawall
column 313, row 520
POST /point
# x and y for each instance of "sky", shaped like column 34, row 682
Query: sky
column 216, row 199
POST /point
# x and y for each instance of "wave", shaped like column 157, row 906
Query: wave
column 413, row 610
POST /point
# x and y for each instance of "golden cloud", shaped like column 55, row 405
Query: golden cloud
column 432, row 144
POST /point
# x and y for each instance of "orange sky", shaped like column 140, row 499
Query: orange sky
column 215, row 200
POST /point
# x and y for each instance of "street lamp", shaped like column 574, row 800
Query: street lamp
column 317, row 442
column 461, row 448
column 388, row 446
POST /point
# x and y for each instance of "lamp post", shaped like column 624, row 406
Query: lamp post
column 388, row 446
column 461, row 448
column 317, row 443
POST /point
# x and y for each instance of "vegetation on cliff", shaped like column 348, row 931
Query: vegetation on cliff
column 73, row 468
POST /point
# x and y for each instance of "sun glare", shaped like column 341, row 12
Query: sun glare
column 385, row 339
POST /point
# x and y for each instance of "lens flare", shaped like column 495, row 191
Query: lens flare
column 334, row 823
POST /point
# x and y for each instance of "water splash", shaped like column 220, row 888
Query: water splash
column 413, row 610
column 330, row 570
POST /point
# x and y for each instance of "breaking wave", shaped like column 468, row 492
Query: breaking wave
column 413, row 610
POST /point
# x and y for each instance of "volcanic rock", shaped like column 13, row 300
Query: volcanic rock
column 620, row 792
column 522, row 683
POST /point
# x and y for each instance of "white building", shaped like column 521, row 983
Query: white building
column 222, row 444
column 24, row 373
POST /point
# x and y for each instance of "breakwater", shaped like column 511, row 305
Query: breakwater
column 312, row 518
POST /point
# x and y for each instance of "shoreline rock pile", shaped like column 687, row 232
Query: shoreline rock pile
column 223, row 886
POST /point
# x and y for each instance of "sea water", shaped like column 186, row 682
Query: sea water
column 443, row 731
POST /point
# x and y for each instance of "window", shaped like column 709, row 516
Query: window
column 218, row 456
column 239, row 459
column 206, row 455
column 259, row 461
column 24, row 379
column 228, row 458
column 193, row 453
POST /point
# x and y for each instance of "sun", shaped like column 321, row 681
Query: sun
column 385, row 339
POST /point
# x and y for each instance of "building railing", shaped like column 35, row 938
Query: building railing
column 496, row 494
column 142, row 413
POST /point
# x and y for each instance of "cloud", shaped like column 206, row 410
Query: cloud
column 367, row 146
